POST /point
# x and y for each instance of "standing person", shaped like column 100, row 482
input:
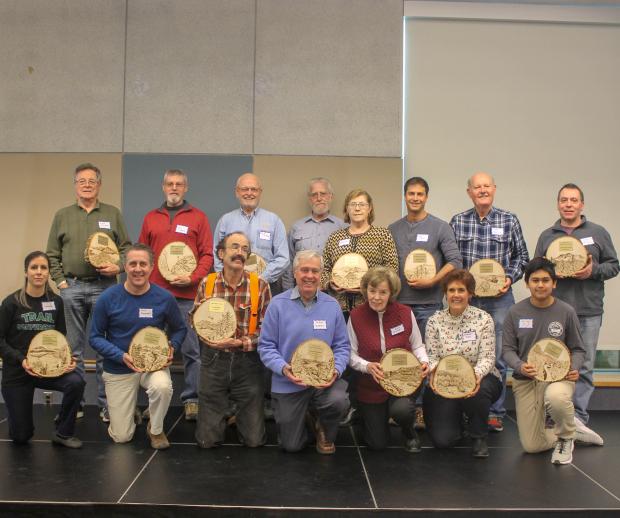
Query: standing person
column 543, row 316
column 177, row 220
column 120, row 313
column 23, row 315
column 231, row 368
column 487, row 232
column 586, row 289
column 264, row 229
column 419, row 229
column 311, row 232
column 299, row 314
column 80, row 283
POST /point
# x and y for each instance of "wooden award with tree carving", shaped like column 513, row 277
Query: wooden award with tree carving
column 149, row 349
column 402, row 372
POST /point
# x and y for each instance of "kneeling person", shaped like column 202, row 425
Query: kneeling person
column 121, row 311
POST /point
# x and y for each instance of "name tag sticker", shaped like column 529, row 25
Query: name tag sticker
column 320, row 324
column 469, row 336
column 526, row 323
column 48, row 306
column 585, row 241
column 422, row 237
column 344, row 242
column 145, row 313
column 497, row 231
column 181, row 229
column 105, row 224
column 396, row 330
column 264, row 235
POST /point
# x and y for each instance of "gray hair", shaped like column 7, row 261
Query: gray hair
column 306, row 255
column 479, row 172
column 87, row 166
column 175, row 172
column 320, row 179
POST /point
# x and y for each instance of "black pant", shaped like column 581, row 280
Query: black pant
column 376, row 420
column 443, row 417
column 18, row 399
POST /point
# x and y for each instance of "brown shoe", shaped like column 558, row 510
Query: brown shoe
column 419, row 419
column 323, row 446
column 159, row 441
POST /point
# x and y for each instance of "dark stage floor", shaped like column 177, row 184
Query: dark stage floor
column 265, row 481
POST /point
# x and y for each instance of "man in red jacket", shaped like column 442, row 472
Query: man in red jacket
column 177, row 220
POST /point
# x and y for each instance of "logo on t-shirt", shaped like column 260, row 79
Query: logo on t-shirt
column 555, row 329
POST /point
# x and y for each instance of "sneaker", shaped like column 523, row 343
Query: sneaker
column 495, row 424
column 68, row 442
column 159, row 441
column 348, row 418
column 80, row 413
column 586, row 435
column 563, row 452
column 419, row 419
column 479, row 448
column 191, row 410
column 104, row 415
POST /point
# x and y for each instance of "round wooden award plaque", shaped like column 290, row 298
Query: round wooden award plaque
column 348, row 271
column 551, row 359
column 101, row 250
column 313, row 362
column 490, row 277
column 402, row 372
column 149, row 349
column 568, row 255
column 176, row 260
column 454, row 377
column 255, row 263
column 419, row 264
column 214, row 320
column 49, row 354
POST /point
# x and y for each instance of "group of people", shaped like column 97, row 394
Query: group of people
column 295, row 299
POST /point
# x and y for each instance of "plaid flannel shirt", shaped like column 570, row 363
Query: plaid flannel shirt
column 496, row 236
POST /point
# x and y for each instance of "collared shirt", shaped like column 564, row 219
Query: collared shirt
column 497, row 236
column 295, row 295
column 241, row 301
column 308, row 234
column 70, row 230
column 267, row 236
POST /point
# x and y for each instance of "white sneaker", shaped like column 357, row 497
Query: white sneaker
column 586, row 435
column 563, row 452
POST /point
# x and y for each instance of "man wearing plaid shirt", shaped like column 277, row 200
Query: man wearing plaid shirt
column 486, row 232
column 231, row 369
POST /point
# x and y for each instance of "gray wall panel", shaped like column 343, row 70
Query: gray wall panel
column 328, row 77
column 190, row 72
column 61, row 87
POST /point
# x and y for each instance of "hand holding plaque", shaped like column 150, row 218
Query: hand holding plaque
column 49, row 354
column 402, row 372
column 348, row 271
column 419, row 265
column 313, row 362
column 490, row 277
column 214, row 320
column 176, row 260
column 454, row 377
column 149, row 349
column 550, row 358
column 255, row 263
column 568, row 255
column 101, row 251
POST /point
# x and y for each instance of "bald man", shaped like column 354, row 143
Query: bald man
column 486, row 232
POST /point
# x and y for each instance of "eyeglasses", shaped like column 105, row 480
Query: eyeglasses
column 170, row 185
column 358, row 205
column 235, row 246
column 249, row 189
column 82, row 182
column 321, row 194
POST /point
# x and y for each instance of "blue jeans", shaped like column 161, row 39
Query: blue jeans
column 422, row 313
column 590, row 327
column 79, row 300
column 498, row 308
column 190, row 348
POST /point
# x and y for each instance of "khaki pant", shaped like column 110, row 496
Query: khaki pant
column 532, row 399
column 122, row 393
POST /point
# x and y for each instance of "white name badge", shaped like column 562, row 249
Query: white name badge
column 48, row 306
column 585, row 241
column 469, row 336
column 105, row 224
column 181, row 229
column 526, row 323
column 320, row 324
column 396, row 330
column 497, row 231
column 422, row 237
column 145, row 313
column 344, row 242
column 264, row 235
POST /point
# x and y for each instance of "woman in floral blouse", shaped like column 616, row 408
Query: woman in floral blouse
column 468, row 331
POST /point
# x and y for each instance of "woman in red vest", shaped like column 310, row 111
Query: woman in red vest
column 376, row 326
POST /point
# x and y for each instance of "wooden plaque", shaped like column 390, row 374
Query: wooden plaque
column 313, row 362
column 176, row 260
column 568, row 255
column 402, row 372
column 49, row 354
column 214, row 320
column 101, row 250
column 149, row 349
column 551, row 359
column 255, row 263
column 490, row 277
column 454, row 377
column 419, row 264
column 348, row 271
